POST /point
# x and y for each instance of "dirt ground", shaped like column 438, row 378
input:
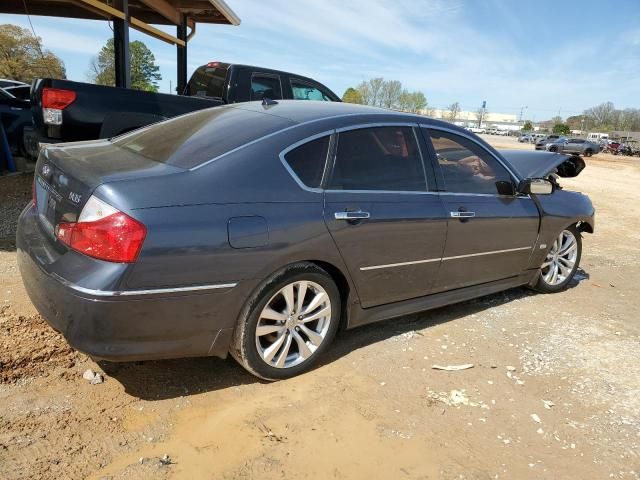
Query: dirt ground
column 554, row 392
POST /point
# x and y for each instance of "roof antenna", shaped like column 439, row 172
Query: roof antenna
column 267, row 102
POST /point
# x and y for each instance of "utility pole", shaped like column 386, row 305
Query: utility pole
column 484, row 106
column 521, row 112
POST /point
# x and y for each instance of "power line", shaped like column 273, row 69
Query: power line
column 44, row 61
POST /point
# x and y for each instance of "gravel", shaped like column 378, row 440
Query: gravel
column 15, row 193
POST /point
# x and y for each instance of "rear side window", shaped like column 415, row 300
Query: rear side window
column 378, row 158
column 265, row 86
column 465, row 165
column 208, row 82
column 192, row 139
column 308, row 161
column 305, row 91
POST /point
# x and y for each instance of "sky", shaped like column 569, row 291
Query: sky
column 543, row 57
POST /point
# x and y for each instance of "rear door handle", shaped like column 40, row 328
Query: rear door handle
column 462, row 214
column 356, row 215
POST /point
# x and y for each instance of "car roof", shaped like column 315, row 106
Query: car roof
column 299, row 111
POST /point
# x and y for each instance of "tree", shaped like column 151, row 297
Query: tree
column 23, row 58
column 419, row 102
column 528, row 126
column 375, row 89
column 561, row 128
column 370, row 91
column 480, row 115
column 453, row 111
column 144, row 71
column 413, row 102
column 575, row 122
column 390, row 93
column 601, row 114
column 351, row 95
column 386, row 93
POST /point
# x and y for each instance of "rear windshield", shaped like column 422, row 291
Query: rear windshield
column 192, row 139
column 208, row 82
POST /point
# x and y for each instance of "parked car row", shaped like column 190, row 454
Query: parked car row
column 488, row 130
column 530, row 137
column 630, row 148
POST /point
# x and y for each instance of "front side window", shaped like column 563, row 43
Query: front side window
column 465, row 165
column 265, row 86
column 378, row 158
column 305, row 91
column 308, row 160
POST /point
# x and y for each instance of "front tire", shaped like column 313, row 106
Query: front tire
column 588, row 153
column 561, row 263
column 287, row 325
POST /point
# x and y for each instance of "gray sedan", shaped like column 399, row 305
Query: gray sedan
column 577, row 146
column 260, row 229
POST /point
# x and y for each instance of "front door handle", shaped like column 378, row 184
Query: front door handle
column 354, row 215
column 462, row 214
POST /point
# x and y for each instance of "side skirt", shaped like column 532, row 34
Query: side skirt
column 362, row 316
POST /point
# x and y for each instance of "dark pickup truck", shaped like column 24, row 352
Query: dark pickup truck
column 65, row 111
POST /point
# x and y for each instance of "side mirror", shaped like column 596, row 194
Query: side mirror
column 536, row 186
column 505, row 188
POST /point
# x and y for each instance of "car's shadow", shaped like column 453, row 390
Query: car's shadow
column 163, row 379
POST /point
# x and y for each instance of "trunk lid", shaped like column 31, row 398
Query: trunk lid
column 538, row 164
column 67, row 174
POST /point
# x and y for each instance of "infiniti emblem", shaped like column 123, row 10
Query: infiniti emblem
column 46, row 169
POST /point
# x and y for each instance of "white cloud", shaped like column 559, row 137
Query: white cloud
column 68, row 36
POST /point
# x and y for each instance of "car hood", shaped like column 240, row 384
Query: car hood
column 540, row 164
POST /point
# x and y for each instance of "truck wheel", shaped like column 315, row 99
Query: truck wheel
column 288, row 323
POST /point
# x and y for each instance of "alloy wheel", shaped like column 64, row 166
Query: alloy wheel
column 561, row 259
column 293, row 324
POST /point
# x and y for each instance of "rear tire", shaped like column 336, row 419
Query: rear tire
column 561, row 263
column 288, row 323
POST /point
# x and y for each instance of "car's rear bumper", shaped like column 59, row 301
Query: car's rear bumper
column 124, row 326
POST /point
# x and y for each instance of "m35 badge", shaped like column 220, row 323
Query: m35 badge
column 75, row 197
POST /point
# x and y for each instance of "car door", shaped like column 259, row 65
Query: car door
column 576, row 145
column 571, row 146
column 389, row 228
column 490, row 232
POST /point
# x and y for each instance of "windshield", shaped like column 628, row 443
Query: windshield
column 192, row 139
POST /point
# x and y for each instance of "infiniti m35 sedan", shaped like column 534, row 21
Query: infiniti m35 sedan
column 260, row 229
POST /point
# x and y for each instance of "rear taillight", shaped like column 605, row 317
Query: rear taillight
column 54, row 101
column 103, row 232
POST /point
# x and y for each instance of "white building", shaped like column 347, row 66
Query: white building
column 501, row 121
